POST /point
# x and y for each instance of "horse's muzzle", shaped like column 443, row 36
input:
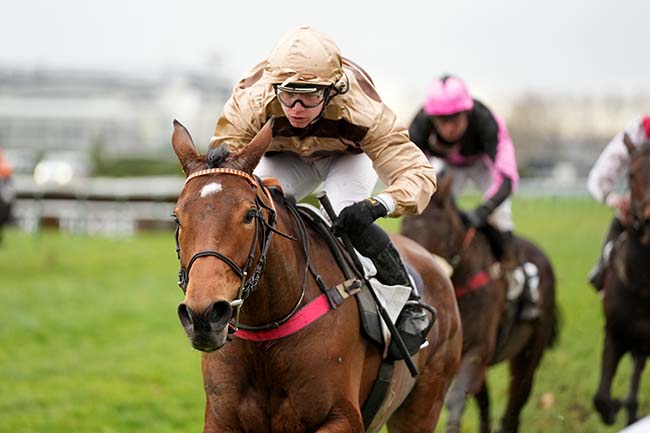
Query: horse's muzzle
column 207, row 331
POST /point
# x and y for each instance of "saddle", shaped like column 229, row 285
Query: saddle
column 370, row 319
column 524, row 276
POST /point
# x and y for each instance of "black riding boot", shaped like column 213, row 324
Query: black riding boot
column 413, row 322
column 512, row 259
column 597, row 274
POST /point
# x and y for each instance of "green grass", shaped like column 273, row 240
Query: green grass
column 90, row 342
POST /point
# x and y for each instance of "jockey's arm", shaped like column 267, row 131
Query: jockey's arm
column 610, row 165
column 401, row 165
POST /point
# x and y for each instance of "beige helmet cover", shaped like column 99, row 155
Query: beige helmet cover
column 304, row 56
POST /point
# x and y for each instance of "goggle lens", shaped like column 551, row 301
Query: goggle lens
column 309, row 98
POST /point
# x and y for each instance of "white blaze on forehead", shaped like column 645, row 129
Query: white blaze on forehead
column 211, row 188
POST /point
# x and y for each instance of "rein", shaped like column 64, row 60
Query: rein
column 467, row 240
column 476, row 281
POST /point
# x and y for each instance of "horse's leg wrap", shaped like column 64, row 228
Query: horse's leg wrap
column 513, row 258
column 597, row 274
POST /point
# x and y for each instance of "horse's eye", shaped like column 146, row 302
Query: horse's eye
column 249, row 216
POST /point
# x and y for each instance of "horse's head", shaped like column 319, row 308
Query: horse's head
column 639, row 184
column 219, row 213
column 440, row 228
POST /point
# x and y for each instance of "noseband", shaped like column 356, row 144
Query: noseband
column 248, row 284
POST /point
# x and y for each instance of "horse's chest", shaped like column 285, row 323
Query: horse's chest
column 273, row 409
column 282, row 413
column 630, row 320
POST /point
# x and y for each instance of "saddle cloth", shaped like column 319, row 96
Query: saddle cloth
column 392, row 298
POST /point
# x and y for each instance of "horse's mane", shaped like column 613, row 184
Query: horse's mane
column 491, row 233
column 215, row 157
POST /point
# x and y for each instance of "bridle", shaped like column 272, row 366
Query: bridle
column 263, row 225
column 637, row 207
column 639, row 221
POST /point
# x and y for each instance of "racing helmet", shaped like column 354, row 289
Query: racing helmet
column 447, row 95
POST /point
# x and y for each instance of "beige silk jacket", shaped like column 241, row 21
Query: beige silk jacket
column 353, row 122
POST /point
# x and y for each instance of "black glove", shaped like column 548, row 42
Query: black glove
column 356, row 218
column 478, row 216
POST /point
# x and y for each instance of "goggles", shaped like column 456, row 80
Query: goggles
column 309, row 97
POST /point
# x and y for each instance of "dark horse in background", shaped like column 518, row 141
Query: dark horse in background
column 491, row 331
column 238, row 241
column 626, row 300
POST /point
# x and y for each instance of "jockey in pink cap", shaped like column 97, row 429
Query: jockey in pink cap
column 461, row 135
column 447, row 96
column 612, row 163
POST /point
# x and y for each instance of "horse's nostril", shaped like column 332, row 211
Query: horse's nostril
column 218, row 314
column 185, row 315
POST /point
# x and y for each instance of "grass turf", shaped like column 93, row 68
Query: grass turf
column 90, row 341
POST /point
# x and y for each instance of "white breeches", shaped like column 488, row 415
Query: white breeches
column 346, row 179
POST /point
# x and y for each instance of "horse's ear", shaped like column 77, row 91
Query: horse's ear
column 628, row 143
column 184, row 148
column 248, row 157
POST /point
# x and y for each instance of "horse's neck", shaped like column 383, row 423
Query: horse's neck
column 634, row 259
column 281, row 282
column 477, row 256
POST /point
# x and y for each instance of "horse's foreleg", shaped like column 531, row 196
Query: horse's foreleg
column 468, row 381
column 483, row 400
column 612, row 352
column 522, row 372
column 631, row 402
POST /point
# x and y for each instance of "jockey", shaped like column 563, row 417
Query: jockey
column 461, row 135
column 333, row 131
column 612, row 163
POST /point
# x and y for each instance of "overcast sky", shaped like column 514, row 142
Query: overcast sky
column 497, row 46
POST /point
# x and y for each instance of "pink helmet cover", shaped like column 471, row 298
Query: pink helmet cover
column 447, row 95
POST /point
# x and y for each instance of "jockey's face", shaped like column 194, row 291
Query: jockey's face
column 301, row 103
column 301, row 117
column 452, row 127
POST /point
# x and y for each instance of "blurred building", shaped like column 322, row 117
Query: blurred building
column 120, row 115
column 555, row 132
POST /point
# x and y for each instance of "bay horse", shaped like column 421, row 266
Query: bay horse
column 249, row 263
column 491, row 332
column 626, row 288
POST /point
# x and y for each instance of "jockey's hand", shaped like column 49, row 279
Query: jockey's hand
column 625, row 208
column 356, row 218
column 478, row 216
column 620, row 203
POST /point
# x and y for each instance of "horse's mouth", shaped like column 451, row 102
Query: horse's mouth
column 207, row 342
